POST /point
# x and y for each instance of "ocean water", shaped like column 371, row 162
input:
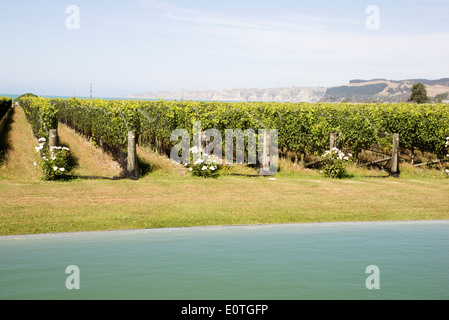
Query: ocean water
column 276, row 262
column 13, row 96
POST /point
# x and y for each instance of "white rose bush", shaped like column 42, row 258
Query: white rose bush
column 206, row 166
column 334, row 162
column 55, row 162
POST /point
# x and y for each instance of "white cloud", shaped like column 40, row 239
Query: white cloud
column 297, row 37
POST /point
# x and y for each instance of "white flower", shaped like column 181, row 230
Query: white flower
column 190, row 169
column 195, row 150
column 39, row 148
column 346, row 158
column 349, row 154
column 199, row 161
column 447, row 170
column 65, row 148
column 53, row 158
column 42, row 139
column 204, row 168
column 212, row 168
column 335, row 149
column 35, row 164
column 55, row 168
column 213, row 159
column 61, row 169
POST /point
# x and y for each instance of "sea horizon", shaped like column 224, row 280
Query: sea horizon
column 15, row 95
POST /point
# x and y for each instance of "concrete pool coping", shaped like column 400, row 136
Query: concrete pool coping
column 213, row 227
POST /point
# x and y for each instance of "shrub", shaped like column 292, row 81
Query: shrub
column 334, row 162
column 206, row 166
column 55, row 161
column 5, row 104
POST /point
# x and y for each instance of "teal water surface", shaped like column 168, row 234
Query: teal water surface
column 288, row 261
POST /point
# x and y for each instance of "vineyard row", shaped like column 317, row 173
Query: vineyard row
column 303, row 128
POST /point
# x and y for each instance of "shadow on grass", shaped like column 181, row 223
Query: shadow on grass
column 246, row 175
column 145, row 167
column 73, row 160
column 71, row 177
column 387, row 176
column 5, row 128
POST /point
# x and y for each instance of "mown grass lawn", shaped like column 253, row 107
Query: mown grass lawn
column 160, row 202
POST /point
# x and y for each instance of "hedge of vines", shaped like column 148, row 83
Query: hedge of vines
column 302, row 127
column 106, row 122
column 305, row 127
column 41, row 114
column 5, row 104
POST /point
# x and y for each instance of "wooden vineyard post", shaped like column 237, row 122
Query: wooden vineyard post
column 268, row 152
column 394, row 156
column 132, row 168
column 333, row 140
column 265, row 151
column 52, row 138
column 200, row 140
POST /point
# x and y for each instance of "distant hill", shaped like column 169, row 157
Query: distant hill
column 443, row 81
column 383, row 90
column 379, row 90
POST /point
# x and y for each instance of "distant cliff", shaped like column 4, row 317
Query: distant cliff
column 288, row 94
column 381, row 90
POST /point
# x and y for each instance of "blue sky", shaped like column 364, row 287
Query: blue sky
column 144, row 45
